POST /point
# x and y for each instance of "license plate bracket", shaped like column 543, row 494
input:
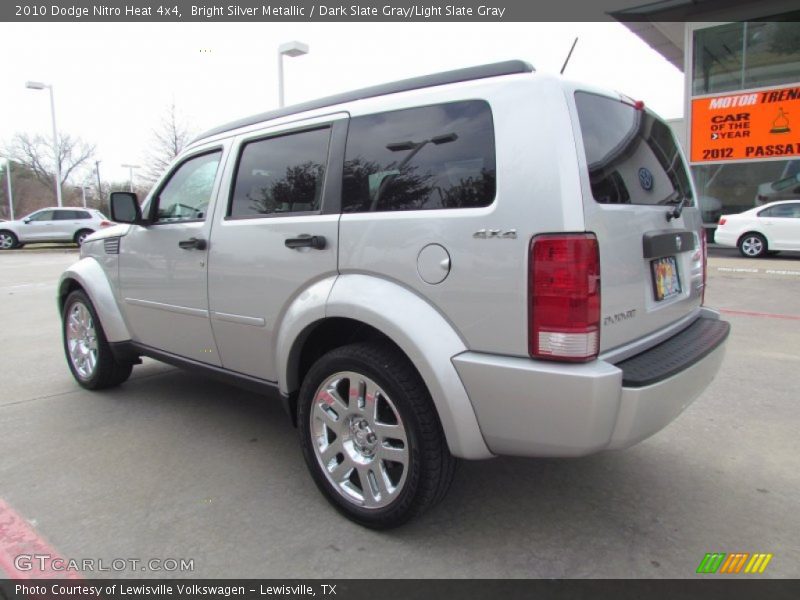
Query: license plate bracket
column 666, row 279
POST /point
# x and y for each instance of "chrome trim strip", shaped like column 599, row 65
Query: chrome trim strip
column 240, row 319
column 181, row 310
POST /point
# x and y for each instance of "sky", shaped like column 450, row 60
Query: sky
column 113, row 82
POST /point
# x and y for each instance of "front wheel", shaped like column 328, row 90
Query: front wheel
column 8, row 240
column 82, row 235
column 371, row 436
column 753, row 245
column 89, row 355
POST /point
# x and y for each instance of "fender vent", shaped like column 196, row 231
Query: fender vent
column 111, row 245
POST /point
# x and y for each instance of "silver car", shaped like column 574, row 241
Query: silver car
column 52, row 225
column 477, row 263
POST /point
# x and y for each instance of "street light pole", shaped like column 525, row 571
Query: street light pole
column 8, row 184
column 38, row 85
column 290, row 49
column 130, row 174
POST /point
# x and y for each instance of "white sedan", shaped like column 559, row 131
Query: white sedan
column 767, row 228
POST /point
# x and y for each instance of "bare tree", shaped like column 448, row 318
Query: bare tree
column 36, row 153
column 169, row 138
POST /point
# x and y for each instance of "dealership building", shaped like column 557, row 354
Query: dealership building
column 741, row 126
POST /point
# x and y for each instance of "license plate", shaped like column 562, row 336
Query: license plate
column 666, row 282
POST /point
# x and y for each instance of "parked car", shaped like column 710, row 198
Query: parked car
column 787, row 188
column 52, row 225
column 476, row 263
column 769, row 228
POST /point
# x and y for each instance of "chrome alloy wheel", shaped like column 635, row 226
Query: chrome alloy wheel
column 752, row 245
column 359, row 440
column 82, row 340
column 6, row 241
column 82, row 237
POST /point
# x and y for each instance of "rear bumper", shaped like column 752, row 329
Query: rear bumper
column 537, row 408
column 725, row 237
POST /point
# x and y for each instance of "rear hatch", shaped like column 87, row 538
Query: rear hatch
column 633, row 176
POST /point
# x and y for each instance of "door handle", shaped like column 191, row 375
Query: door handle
column 306, row 241
column 193, row 243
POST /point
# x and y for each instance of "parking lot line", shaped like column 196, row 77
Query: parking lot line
column 22, row 549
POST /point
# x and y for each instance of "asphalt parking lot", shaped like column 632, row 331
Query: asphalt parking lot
column 171, row 465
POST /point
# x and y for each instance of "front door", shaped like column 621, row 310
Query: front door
column 163, row 266
column 276, row 235
column 40, row 226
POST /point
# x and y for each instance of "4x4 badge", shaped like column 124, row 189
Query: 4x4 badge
column 483, row 234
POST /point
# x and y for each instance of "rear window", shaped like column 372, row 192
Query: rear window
column 632, row 156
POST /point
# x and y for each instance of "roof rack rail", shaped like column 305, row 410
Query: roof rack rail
column 509, row 67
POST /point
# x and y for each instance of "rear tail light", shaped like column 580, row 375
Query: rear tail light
column 722, row 221
column 564, row 297
column 106, row 223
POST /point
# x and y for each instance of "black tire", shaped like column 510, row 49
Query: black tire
column 753, row 245
column 107, row 372
column 80, row 235
column 430, row 467
column 8, row 240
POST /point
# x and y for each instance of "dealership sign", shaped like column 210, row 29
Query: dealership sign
column 746, row 126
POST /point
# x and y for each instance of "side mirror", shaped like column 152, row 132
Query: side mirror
column 26, row 220
column 124, row 208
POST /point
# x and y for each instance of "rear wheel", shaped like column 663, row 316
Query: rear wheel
column 753, row 245
column 82, row 235
column 371, row 436
column 8, row 240
column 88, row 353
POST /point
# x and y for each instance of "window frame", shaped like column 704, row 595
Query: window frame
column 155, row 197
column 791, row 204
column 334, row 127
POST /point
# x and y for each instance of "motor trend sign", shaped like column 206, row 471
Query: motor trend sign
column 751, row 125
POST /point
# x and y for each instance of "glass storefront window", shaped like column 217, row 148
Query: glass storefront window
column 718, row 61
column 734, row 187
column 745, row 55
column 772, row 54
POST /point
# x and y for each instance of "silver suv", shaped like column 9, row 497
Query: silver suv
column 477, row 263
column 52, row 225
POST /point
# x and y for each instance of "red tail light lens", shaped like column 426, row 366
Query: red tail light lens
column 106, row 223
column 564, row 297
column 722, row 221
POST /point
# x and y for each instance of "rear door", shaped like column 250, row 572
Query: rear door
column 639, row 201
column 276, row 233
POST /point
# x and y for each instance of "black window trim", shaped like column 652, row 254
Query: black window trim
column 431, row 105
column 155, row 196
column 334, row 126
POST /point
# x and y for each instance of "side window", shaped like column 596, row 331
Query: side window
column 781, row 211
column 440, row 156
column 43, row 215
column 70, row 215
column 282, row 174
column 186, row 195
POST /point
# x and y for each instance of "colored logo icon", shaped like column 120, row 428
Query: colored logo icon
column 734, row 563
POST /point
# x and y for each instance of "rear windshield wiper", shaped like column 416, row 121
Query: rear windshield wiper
column 676, row 198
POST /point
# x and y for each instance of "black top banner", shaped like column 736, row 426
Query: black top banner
column 390, row 10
